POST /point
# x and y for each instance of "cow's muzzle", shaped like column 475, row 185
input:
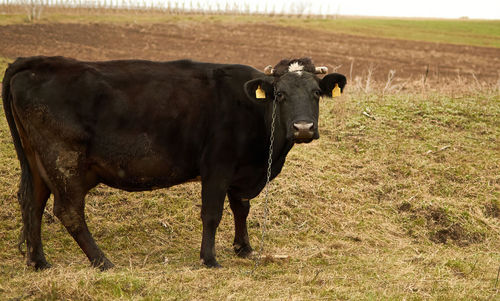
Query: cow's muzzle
column 304, row 132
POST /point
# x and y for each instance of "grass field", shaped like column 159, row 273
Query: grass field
column 398, row 200
column 463, row 32
column 402, row 206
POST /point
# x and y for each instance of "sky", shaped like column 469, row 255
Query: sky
column 474, row 9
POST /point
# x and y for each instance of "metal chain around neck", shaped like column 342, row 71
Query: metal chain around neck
column 266, row 191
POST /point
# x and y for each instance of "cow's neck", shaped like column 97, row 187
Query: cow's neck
column 281, row 146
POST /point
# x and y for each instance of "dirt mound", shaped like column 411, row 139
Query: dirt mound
column 254, row 44
column 441, row 225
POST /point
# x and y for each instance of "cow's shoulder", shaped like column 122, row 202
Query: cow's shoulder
column 236, row 72
column 230, row 80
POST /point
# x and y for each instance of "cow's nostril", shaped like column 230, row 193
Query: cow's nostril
column 303, row 126
column 303, row 131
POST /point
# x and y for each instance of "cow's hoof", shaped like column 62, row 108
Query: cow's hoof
column 243, row 251
column 42, row 265
column 106, row 266
column 211, row 263
column 103, row 265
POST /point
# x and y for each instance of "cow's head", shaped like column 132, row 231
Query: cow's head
column 297, row 90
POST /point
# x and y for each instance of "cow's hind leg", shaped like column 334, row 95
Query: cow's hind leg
column 240, row 208
column 33, row 195
column 69, row 208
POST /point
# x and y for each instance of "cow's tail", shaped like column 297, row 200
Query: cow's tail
column 25, row 194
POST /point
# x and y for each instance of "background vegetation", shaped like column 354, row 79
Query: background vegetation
column 399, row 199
column 294, row 13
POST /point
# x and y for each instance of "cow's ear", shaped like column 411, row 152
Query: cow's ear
column 332, row 85
column 260, row 89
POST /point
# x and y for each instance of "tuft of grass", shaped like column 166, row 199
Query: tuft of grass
column 397, row 203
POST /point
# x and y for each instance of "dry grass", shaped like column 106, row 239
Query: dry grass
column 399, row 203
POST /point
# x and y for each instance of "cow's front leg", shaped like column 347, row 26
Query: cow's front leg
column 240, row 208
column 212, row 204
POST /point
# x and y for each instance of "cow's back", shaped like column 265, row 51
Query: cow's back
column 134, row 125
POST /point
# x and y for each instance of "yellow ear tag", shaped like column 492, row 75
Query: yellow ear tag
column 336, row 91
column 259, row 93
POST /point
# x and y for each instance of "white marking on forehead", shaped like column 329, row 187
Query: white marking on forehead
column 296, row 67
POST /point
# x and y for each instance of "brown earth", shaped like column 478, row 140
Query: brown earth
column 253, row 44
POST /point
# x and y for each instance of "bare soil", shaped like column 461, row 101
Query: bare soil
column 253, row 44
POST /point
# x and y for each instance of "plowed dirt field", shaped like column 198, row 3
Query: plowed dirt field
column 256, row 44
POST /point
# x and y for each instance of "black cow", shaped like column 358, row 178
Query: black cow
column 142, row 125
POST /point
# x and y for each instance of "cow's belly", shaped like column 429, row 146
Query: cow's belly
column 140, row 164
column 142, row 174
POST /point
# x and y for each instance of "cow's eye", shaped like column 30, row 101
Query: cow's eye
column 317, row 93
column 279, row 95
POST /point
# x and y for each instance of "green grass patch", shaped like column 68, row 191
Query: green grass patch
column 463, row 32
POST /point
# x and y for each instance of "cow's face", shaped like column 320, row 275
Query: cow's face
column 297, row 94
